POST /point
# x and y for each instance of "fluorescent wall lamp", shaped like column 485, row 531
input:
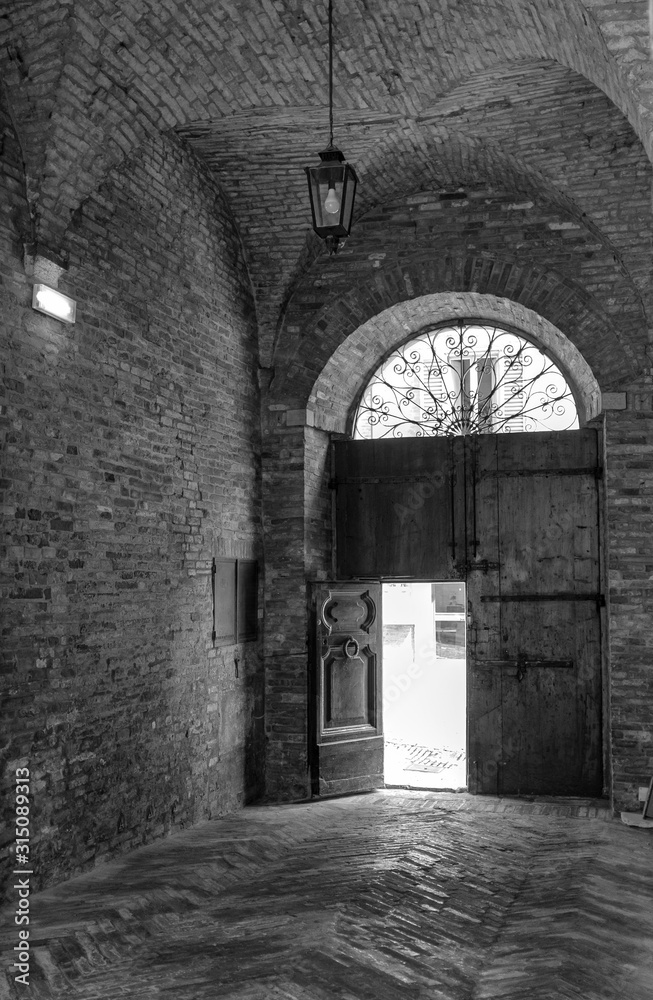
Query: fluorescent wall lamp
column 51, row 302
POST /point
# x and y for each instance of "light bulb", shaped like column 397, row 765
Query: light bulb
column 332, row 202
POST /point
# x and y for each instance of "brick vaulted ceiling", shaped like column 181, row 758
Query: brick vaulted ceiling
column 541, row 113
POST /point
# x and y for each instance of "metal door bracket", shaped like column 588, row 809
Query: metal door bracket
column 482, row 566
column 528, row 598
column 523, row 664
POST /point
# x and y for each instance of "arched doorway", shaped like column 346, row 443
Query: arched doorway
column 455, row 379
column 514, row 517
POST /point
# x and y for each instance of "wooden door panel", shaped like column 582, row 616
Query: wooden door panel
column 346, row 705
column 551, row 704
column 517, row 516
column 558, row 451
column 485, row 729
column 395, row 509
column 348, row 673
column 533, row 591
column 545, row 518
column 548, row 530
column 349, row 767
column 540, row 747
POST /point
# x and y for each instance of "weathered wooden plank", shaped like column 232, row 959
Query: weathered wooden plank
column 394, row 509
column 530, row 598
column 549, row 534
column 484, row 696
column 554, row 451
column 537, row 536
column 551, row 717
column 523, row 664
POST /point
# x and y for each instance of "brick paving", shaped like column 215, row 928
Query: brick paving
column 389, row 895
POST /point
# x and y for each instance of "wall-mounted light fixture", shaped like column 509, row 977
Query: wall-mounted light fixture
column 53, row 303
column 332, row 184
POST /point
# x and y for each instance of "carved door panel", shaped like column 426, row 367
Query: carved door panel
column 534, row 590
column 346, row 705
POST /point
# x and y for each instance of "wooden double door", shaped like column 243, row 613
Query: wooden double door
column 517, row 517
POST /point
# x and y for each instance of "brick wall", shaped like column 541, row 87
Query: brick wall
column 629, row 439
column 298, row 539
column 286, row 636
column 131, row 458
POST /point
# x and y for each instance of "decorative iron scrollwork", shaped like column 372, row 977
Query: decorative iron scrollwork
column 468, row 378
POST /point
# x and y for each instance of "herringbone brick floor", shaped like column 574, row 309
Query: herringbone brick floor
column 384, row 896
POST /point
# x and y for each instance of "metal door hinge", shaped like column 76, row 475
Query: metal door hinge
column 482, row 566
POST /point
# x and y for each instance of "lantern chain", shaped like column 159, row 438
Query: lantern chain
column 330, row 72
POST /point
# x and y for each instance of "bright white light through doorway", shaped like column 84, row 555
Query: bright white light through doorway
column 424, row 684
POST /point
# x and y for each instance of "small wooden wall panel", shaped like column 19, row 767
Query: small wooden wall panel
column 225, row 601
column 247, row 599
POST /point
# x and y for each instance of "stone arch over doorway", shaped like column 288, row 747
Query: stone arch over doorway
column 311, row 335
column 339, row 385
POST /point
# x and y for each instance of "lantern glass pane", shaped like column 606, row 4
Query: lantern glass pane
column 348, row 201
column 330, row 197
column 331, row 186
column 326, row 193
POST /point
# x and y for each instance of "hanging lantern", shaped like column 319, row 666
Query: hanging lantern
column 331, row 187
column 332, row 184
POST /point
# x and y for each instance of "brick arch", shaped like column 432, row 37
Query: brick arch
column 14, row 213
column 401, row 166
column 583, row 154
column 556, row 299
column 337, row 389
column 466, row 137
column 29, row 84
column 591, row 170
column 125, row 72
column 591, row 155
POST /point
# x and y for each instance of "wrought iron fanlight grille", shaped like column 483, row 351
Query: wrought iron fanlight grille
column 467, row 378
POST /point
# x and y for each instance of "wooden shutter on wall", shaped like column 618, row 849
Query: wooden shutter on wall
column 235, row 600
